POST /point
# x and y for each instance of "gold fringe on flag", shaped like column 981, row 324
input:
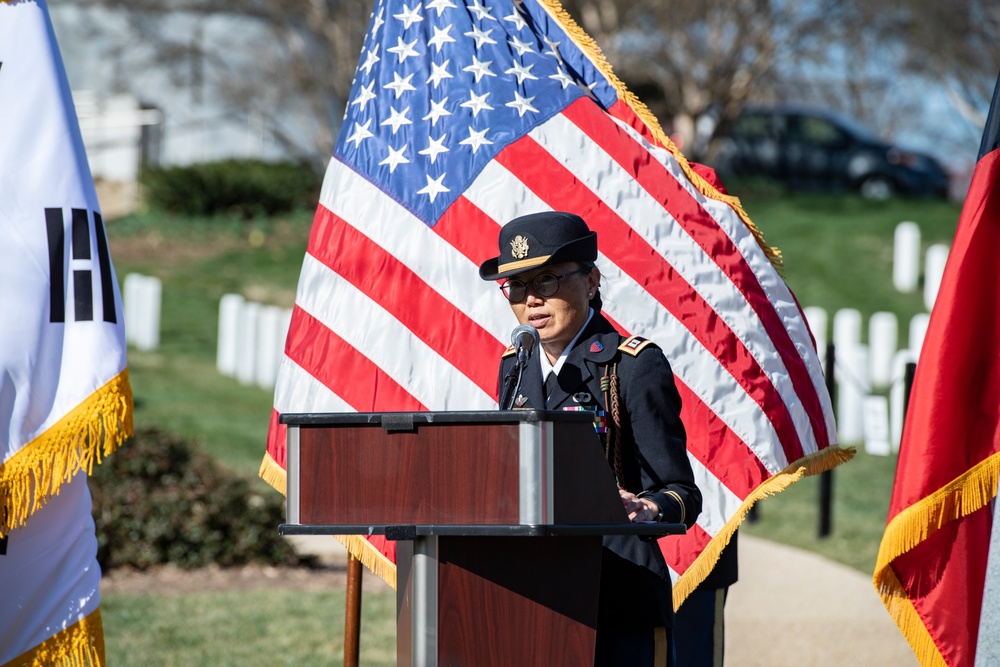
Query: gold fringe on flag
column 590, row 48
column 82, row 438
column 80, row 645
column 813, row 464
column 273, row 474
column 370, row 557
column 969, row 492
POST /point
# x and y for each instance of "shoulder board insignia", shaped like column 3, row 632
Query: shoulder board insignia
column 633, row 345
column 509, row 351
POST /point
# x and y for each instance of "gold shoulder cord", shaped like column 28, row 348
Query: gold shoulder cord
column 613, row 445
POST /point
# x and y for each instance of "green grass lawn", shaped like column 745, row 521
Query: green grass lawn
column 837, row 253
column 260, row 628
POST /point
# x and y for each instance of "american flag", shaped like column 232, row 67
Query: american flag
column 464, row 115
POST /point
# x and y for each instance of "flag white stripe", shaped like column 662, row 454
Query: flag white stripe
column 297, row 390
column 419, row 369
column 582, row 157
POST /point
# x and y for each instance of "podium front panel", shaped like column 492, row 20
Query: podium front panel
column 477, row 468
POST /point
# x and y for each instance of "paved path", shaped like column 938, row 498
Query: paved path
column 794, row 608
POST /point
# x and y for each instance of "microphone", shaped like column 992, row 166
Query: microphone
column 524, row 338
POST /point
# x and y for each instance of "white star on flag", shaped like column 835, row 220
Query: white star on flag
column 479, row 68
column 522, row 47
column 361, row 133
column 480, row 36
column 409, row 16
column 439, row 73
column 365, row 95
column 521, row 72
column 370, row 60
column 476, row 139
column 481, row 12
column 477, row 103
column 435, row 148
column 400, row 85
column 397, row 119
column 433, row 187
column 440, row 38
column 437, row 111
column 404, row 50
column 395, row 158
column 517, row 20
column 522, row 104
column 440, row 5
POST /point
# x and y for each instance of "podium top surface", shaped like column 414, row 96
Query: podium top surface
column 420, row 418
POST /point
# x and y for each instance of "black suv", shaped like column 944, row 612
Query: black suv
column 814, row 149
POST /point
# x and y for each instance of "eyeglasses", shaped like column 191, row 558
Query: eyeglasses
column 544, row 284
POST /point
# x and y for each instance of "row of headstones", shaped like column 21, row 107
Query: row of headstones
column 862, row 373
column 251, row 340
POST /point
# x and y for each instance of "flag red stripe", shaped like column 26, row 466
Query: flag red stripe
column 277, row 439
column 397, row 289
column 550, row 181
column 680, row 551
column 343, row 369
column 697, row 222
column 469, row 230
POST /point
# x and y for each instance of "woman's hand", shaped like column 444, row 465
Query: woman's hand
column 639, row 509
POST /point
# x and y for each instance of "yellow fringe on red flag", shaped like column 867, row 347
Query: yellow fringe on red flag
column 589, row 47
column 273, row 474
column 82, row 438
column 80, row 645
column 967, row 493
column 813, row 464
column 370, row 557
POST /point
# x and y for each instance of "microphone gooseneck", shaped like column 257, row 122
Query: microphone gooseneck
column 525, row 339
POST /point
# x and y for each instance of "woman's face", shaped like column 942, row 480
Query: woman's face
column 560, row 316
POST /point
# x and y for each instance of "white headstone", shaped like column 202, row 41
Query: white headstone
column 149, row 293
column 246, row 345
column 230, row 312
column 268, row 342
column 817, row 319
column 876, row 425
column 897, row 395
column 132, row 306
column 937, row 257
column 906, row 257
column 852, row 386
column 882, row 341
column 918, row 329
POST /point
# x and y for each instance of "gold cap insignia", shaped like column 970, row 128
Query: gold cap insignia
column 519, row 247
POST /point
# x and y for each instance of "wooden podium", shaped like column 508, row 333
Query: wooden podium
column 498, row 516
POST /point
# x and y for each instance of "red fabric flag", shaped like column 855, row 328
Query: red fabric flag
column 932, row 561
column 464, row 116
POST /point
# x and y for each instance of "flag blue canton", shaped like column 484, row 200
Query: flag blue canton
column 443, row 86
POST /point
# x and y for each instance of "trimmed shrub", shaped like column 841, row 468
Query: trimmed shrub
column 160, row 500
column 243, row 188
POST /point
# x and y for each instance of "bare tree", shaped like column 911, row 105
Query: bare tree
column 289, row 64
column 691, row 57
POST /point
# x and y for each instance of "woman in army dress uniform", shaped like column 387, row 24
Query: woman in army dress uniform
column 551, row 282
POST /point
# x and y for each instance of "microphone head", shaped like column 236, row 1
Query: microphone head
column 524, row 338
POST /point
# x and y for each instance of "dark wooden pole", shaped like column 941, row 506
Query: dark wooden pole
column 826, row 477
column 352, row 613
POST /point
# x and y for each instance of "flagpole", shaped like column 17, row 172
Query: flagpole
column 352, row 613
